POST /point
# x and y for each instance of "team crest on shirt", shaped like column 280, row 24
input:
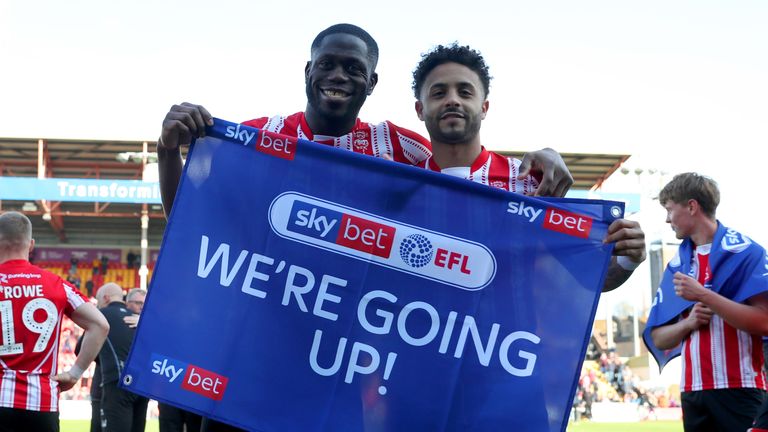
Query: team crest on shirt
column 360, row 140
column 498, row 184
column 735, row 242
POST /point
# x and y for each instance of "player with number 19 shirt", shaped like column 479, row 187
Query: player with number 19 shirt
column 32, row 303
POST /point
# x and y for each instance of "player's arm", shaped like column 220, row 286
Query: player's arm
column 751, row 317
column 96, row 329
column 182, row 123
column 669, row 336
column 628, row 252
column 546, row 163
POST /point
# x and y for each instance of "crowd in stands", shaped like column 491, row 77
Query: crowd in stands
column 610, row 379
column 88, row 276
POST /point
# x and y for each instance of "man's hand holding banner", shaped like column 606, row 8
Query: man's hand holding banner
column 305, row 288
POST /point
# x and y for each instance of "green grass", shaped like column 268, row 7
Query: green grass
column 649, row 426
column 85, row 426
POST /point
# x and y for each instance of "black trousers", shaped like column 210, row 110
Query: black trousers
column 214, row 426
column 720, row 410
column 174, row 419
column 761, row 421
column 95, row 415
column 19, row 420
column 122, row 411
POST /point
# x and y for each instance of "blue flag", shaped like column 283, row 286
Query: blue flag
column 305, row 288
column 738, row 266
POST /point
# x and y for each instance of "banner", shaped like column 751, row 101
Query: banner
column 79, row 190
column 83, row 255
column 305, row 288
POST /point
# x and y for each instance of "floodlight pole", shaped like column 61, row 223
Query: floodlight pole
column 143, row 270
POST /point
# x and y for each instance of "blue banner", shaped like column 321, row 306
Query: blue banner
column 305, row 288
column 79, row 190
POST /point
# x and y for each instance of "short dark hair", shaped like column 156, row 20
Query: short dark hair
column 454, row 53
column 353, row 30
column 686, row 186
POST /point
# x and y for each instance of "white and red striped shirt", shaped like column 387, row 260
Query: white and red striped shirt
column 719, row 356
column 492, row 169
column 32, row 302
column 377, row 140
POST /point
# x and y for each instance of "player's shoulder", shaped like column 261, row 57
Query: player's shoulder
column 260, row 122
column 735, row 242
column 26, row 272
column 115, row 311
column 498, row 156
column 407, row 133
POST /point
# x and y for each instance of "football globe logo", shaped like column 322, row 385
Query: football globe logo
column 416, row 250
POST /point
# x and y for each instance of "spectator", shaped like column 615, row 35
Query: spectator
column 73, row 278
column 130, row 258
column 135, row 300
column 120, row 410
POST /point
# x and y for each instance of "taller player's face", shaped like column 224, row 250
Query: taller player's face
column 452, row 104
column 679, row 218
column 339, row 77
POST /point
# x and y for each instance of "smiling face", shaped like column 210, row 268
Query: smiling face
column 452, row 104
column 338, row 79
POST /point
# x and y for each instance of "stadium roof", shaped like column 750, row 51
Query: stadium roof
column 118, row 224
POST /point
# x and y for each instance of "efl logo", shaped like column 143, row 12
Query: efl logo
column 416, row 250
column 567, row 223
column 343, row 229
column 372, row 238
column 196, row 379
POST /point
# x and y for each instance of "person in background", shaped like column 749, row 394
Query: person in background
column 121, row 410
column 29, row 388
column 723, row 383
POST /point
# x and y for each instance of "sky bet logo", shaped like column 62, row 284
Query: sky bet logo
column 191, row 378
column 562, row 221
column 341, row 228
column 567, row 223
column 267, row 142
column 372, row 238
